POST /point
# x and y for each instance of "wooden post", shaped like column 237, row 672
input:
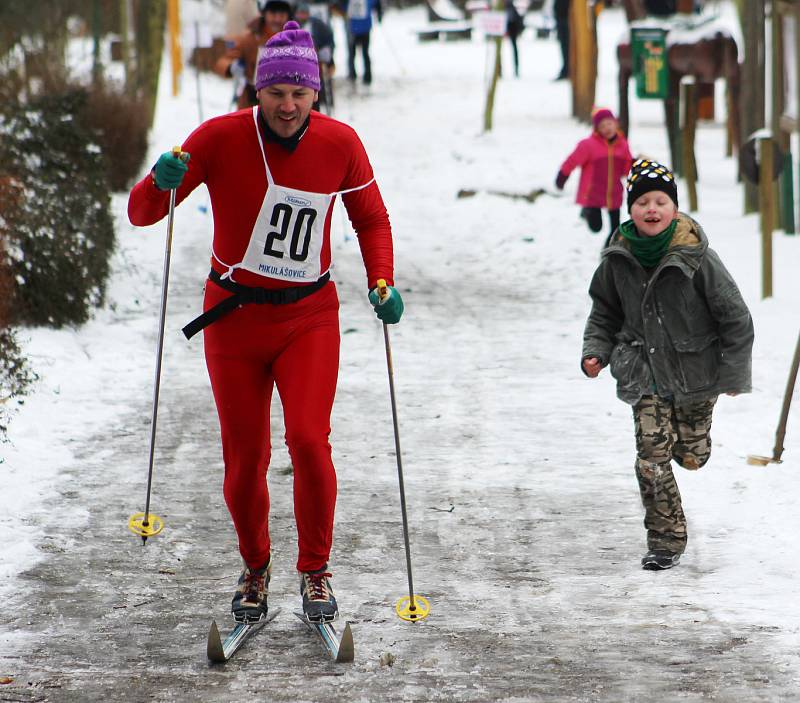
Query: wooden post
column 705, row 101
column 753, row 82
column 174, row 25
column 785, row 185
column 787, row 195
column 634, row 10
column 489, row 109
column 583, row 58
column 689, row 129
column 765, row 189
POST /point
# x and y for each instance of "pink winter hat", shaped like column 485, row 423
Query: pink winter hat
column 288, row 57
column 601, row 113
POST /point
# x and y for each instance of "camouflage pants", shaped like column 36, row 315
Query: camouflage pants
column 665, row 432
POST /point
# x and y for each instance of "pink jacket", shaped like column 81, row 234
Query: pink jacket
column 603, row 164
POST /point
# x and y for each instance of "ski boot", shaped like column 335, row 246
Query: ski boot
column 249, row 603
column 659, row 559
column 319, row 603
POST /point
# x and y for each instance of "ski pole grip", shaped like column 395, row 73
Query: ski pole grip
column 383, row 289
column 179, row 153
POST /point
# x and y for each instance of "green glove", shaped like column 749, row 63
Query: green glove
column 170, row 169
column 387, row 303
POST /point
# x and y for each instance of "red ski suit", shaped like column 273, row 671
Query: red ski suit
column 295, row 346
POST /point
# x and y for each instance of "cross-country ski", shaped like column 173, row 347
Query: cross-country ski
column 220, row 651
column 340, row 647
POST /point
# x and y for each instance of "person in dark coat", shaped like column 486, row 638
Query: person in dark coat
column 322, row 35
column 671, row 324
column 515, row 24
column 359, row 28
column 561, row 12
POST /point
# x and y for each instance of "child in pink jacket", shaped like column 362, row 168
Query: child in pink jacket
column 604, row 160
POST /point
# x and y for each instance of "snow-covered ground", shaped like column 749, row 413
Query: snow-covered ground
column 496, row 418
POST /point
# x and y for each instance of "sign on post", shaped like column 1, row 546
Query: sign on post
column 492, row 23
column 649, row 53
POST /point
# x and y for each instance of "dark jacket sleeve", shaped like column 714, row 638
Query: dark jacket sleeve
column 734, row 324
column 606, row 318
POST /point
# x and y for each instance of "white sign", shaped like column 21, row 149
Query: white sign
column 492, row 24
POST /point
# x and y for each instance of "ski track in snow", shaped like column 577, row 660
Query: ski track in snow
column 525, row 517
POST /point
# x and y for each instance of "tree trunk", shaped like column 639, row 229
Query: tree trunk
column 151, row 18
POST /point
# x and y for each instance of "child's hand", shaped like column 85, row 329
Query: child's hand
column 592, row 366
column 561, row 179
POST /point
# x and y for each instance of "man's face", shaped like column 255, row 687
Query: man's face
column 285, row 106
column 275, row 20
column 652, row 213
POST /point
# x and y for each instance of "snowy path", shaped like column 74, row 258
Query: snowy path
column 533, row 576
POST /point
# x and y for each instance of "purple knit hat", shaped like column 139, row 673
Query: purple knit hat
column 288, row 57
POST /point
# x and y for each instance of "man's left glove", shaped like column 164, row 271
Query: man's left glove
column 387, row 303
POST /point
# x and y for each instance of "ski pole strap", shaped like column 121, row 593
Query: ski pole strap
column 245, row 295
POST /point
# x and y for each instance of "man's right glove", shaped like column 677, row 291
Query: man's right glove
column 561, row 179
column 170, row 169
column 387, row 303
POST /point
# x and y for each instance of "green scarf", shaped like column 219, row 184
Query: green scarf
column 648, row 250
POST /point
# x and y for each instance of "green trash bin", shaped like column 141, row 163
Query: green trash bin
column 649, row 53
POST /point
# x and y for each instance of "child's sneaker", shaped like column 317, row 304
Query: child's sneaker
column 319, row 603
column 249, row 603
column 659, row 559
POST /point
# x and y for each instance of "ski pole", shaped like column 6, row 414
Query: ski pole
column 145, row 524
column 414, row 607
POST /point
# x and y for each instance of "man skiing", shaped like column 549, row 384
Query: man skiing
column 271, row 311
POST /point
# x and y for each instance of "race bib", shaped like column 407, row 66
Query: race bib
column 286, row 241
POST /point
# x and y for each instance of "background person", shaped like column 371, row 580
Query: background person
column 604, row 158
column 241, row 56
column 359, row 28
column 322, row 36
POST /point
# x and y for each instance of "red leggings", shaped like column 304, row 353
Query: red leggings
column 296, row 348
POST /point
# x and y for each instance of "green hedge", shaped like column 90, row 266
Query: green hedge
column 56, row 222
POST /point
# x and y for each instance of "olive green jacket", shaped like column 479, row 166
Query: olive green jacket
column 683, row 330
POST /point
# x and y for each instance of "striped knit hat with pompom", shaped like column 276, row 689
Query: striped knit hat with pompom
column 647, row 175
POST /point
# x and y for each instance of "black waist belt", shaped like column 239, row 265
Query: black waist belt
column 244, row 295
